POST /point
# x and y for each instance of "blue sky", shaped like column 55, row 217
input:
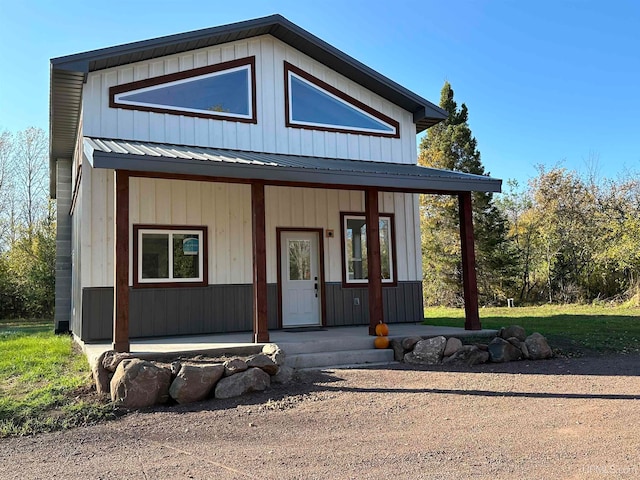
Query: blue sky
column 546, row 82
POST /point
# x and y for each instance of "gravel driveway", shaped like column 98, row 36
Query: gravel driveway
column 560, row 418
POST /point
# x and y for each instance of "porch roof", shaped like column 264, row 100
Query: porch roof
column 279, row 169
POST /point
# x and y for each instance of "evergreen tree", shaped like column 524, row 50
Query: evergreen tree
column 450, row 145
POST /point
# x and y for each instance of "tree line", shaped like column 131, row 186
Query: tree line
column 564, row 237
column 27, row 226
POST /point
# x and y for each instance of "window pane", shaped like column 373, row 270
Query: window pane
column 385, row 248
column 311, row 104
column 224, row 92
column 299, row 260
column 186, row 255
column 356, row 249
column 155, row 255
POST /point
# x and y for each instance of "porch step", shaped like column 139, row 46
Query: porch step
column 334, row 344
column 339, row 358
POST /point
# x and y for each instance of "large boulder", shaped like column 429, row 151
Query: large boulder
column 252, row 380
column 501, row 350
column 275, row 353
column 263, row 362
column 468, row 355
column 409, row 343
column 194, row 382
column 537, row 347
column 427, row 352
column 513, row 331
column 398, row 349
column 233, row 366
column 138, row 383
column 453, row 345
column 111, row 359
column 101, row 376
column 284, row 375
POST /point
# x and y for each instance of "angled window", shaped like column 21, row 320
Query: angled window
column 354, row 249
column 224, row 91
column 166, row 254
column 314, row 104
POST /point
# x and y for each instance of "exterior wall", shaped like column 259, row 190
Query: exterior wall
column 62, row 315
column 225, row 209
column 228, row 308
column 269, row 134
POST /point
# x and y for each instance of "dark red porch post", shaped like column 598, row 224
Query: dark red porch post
column 260, row 325
column 469, row 281
column 121, row 262
column 374, row 267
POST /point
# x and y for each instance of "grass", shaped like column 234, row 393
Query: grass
column 572, row 329
column 45, row 384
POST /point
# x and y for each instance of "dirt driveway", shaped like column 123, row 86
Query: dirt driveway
column 561, row 418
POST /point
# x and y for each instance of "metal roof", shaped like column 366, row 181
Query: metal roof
column 68, row 73
column 277, row 168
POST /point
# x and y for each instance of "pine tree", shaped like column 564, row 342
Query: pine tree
column 450, row 145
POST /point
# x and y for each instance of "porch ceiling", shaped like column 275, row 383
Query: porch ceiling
column 279, row 169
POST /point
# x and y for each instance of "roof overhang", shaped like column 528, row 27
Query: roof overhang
column 279, row 169
column 69, row 73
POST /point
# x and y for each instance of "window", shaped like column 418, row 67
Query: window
column 354, row 236
column 224, row 91
column 316, row 105
column 170, row 255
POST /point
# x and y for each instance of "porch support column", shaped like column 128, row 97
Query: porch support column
column 469, row 281
column 121, row 264
column 374, row 267
column 260, row 325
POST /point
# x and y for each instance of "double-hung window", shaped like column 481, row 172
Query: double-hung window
column 354, row 247
column 170, row 255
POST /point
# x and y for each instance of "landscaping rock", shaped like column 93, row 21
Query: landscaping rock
column 502, row 351
column 409, row 343
column 427, row 352
column 251, row 380
column 467, row 355
column 138, row 383
column 234, row 366
column 482, row 346
column 275, row 352
column 284, row 375
column 101, row 376
column 525, row 351
column 111, row 359
column 264, row 362
column 537, row 347
column 453, row 345
column 398, row 349
column 175, row 367
column 194, row 382
column 513, row 331
column 515, row 342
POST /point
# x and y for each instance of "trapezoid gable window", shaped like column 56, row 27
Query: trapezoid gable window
column 225, row 91
column 316, row 105
column 169, row 255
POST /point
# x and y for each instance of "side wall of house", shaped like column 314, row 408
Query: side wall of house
column 225, row 209
column 270, row 133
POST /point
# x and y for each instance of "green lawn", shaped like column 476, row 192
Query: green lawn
column 570, row 328
column 44, row 383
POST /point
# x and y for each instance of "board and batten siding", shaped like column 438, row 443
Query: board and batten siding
column 225, row 208
column 269, row 134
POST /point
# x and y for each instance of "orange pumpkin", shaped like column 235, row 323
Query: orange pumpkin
column 382, row 329
column 381, row 342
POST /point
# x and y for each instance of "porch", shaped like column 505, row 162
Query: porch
column 291, row 341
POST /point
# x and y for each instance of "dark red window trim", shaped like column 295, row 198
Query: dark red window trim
column 195, row 72
column 205, row 256
column 347, row 98
column 394, row 267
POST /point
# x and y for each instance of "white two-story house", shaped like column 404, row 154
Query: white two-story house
column 246, row 177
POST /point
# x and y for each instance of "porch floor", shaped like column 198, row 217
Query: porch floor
column 218, row 344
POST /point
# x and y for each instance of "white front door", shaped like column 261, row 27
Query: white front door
column 300, row 279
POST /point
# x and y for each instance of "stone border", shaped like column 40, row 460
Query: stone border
column 134, row 383
column 510, row 344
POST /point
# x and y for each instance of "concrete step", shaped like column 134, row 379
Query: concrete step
column 339, row 358
column 335, row 344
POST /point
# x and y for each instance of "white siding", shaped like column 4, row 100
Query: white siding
column 225, row 209
column 269, row 134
